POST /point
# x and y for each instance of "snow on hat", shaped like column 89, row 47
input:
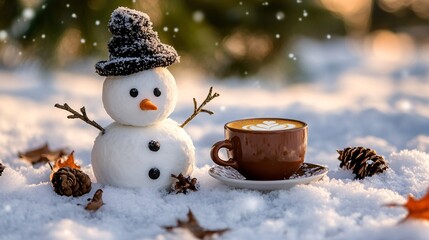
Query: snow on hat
column 134, row 45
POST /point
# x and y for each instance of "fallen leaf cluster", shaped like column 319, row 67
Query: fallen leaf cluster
column 68, row 162
column 67, row 178
column 417, row 209
column 96, row 201
column 192, row 225
column 42, row 155
column 184, row 184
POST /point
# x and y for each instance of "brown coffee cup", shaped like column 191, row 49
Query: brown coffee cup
column 263, row 148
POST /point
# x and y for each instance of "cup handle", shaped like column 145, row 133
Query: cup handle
column 214, row 153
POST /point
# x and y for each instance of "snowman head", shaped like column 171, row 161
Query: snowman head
column 138, row 90
column 142, row 98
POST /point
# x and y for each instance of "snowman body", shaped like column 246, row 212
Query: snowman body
column 130, row 156
column 142, row 148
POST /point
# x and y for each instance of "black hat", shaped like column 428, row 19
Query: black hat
column 134, row 46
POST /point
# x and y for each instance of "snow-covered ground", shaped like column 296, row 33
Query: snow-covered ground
column 351, row 98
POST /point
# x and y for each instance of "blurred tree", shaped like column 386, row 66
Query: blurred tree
column 55, row 32
column 223, row 37
column 398, row 15
column 239, row 37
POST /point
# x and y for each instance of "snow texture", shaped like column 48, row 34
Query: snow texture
column 134, row 45
column 348, row 100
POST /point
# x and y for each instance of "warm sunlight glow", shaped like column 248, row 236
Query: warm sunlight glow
column 356, row 13
column 247, row 45
column 386, row 46
column 69, row 46
column 420, row 7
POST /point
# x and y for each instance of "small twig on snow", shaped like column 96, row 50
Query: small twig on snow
column 50, row 165
column 199, row 109
column 82, row 116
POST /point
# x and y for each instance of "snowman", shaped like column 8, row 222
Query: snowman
column 142, row 147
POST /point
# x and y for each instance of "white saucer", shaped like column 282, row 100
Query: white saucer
column 308, row 172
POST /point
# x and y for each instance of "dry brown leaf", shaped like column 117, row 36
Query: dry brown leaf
column 69, row 162
column 2, row 167
column 96, row 202
column 194, row 227
column 417, row 209
column 42, row 154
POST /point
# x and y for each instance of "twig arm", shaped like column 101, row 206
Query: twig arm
column 199, row 109
column 81, row 116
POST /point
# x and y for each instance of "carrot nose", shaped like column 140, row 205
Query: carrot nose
column 146, row 104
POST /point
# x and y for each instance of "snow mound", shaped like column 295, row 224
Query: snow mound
column 339, row 110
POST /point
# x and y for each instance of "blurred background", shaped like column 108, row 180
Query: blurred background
column 219, row 38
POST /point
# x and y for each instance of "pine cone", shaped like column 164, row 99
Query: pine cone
column 2, row 167
column 184, row 184
column 69, row 181
column 363, row 161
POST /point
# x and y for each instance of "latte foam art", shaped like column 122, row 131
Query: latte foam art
column 269, row 126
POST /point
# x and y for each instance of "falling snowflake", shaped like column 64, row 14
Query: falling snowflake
column 74, row 15
column 94, row 44
column 97, row 22
column 3, row 35
column 328, row 36
column 298, row 1
column 277, row 35
column 198, row 16
column 43, row 36
column 165, row 29
column 280, row 16
column 28, row 13
column 82, row 40
column 265, row 3
column 176, row 29
column 67, row 5
column 305, row 13
column 291, row 55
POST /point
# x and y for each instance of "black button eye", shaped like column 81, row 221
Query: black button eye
column 154, row 145
column 154, row 173
column 134, row 92
column 156, row 92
